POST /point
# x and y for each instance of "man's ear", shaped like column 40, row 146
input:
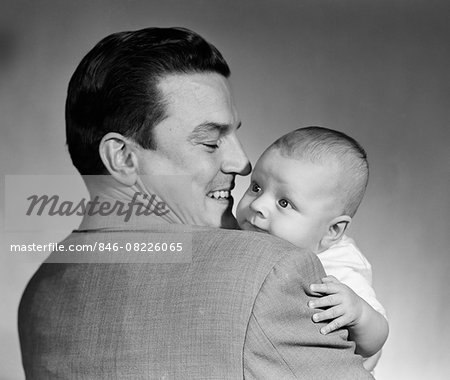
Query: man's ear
column 335, row 231
column 118, row 156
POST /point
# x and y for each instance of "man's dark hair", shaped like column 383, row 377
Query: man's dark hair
column 115, row 87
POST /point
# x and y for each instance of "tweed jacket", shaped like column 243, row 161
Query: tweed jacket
column 236, row 308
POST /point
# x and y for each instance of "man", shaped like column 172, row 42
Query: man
column 153, row 110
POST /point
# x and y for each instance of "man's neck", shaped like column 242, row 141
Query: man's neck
column 115, row 205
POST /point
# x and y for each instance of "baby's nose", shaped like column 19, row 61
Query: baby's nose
column 258, row 205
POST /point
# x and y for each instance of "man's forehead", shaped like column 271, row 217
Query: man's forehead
column 199, row 99
column 195, row 87
column 205, row 130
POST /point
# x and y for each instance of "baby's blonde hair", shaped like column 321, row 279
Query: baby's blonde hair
column 321, row 146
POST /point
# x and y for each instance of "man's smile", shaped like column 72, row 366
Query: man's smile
column 219, row 194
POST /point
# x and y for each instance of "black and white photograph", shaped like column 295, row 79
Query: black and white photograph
column 222, row 189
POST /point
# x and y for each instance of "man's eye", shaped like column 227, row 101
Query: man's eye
column 283, row 203
column 211, row 146
column 255, row 188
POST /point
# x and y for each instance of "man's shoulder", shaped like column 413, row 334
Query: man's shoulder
column 249, row 242
column 258, row 252
column 237, row 250
column 245, row 238
column 198, row 233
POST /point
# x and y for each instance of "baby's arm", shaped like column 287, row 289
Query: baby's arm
column 367, row 327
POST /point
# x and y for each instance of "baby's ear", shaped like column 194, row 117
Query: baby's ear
column 335, row 231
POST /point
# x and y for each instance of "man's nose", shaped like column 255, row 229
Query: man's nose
column 259, row 206
column 235, row 159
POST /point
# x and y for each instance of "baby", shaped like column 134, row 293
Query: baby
column 305, row 188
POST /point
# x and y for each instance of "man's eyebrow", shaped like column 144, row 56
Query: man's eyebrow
column 203, row 130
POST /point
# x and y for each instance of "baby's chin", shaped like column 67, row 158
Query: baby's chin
column 240, row 224
column 247, row 226
column 240, row 220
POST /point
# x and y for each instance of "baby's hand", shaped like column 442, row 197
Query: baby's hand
column 343, row 306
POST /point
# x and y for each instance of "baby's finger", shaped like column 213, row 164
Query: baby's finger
column 330, row 279
column 332, row 313
column 327, row 288
column 334, row 325
column 326, row 301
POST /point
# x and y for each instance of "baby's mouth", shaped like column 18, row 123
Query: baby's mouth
column 255, row 228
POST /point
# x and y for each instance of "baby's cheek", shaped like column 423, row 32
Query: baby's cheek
column 240, row 212
column 242, row 206
column 277, row 229
column 285, row 231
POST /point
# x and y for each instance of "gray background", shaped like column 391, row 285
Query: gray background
column 378, row 70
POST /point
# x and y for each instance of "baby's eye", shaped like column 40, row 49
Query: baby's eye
column 255, row 187
column 283, row 203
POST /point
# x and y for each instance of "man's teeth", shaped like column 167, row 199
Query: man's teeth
column 219, row 194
